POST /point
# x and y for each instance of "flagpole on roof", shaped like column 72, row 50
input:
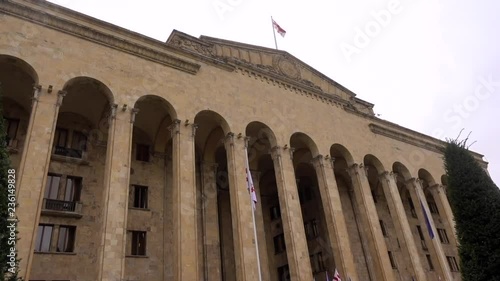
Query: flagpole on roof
column 253, row 206
column 274, row 33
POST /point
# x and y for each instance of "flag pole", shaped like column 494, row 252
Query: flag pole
column 274, row 33
column 253, row 215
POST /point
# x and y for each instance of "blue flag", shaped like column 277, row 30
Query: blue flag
column 427, row 221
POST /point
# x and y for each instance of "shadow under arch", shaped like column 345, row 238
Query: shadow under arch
column 85, row 81
column 261, row 139
column 17, row 79
column 340, row 151
column 426, row 177
column 20, row 64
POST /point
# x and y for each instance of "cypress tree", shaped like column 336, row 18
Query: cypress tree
column 475, row 201
column 9, row 272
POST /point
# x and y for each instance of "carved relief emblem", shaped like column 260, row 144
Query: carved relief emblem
column 286, row 67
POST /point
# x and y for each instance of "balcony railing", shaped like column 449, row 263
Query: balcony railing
column 60, row 207
column 68, row 152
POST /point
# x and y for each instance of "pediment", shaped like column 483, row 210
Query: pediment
column 277, row 64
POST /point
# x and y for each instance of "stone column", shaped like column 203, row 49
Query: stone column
column 186, row 263
column 438, row 191
column 291, row 214
column 241, row 210
column 111, row 259
column 32, row 172
column 334, row 216
column 421, row 207
column 370, row 223
column 261, row 234
column 211, row 239
column 403, row 229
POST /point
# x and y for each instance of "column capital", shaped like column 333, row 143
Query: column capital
column 175, row 127
column 114, row 106
column 438, row 188
column 60, row 96
column 277, row 151
column 358, row 169
column 416, row 183
column 133, row 112
column 388, row 175
column 194, row 126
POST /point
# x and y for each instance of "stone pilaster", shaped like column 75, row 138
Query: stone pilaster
column 186, row 263
column 211, row 239
column 400, row 220
column 438, row 191
column 241, row 210
column 421, row 207
column 32, row 172
column 291, row 215
column 334, row 216
column 111, row 259
column 370, row 223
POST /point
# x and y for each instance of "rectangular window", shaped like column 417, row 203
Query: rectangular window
column 452, row 262
column 433, row 207
column 79, row 141
column 142, row 152
column 442, row 236
column 279, row 243
column 60, row 137
column 43, row 238
column 420, row 234
column 382, row 227
column 73, row 189
column 374, row 195
column 138, row 243
column 317, row 262
column 11, row 129
column 140, row 196
column 283, row 273
column 275, row 212
column 429, row 262
column 392, row 260
column 52, row 186
column 311, row 229
column 66, row 240
column 412, row 208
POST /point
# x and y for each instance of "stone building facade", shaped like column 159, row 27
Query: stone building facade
column 130, row 162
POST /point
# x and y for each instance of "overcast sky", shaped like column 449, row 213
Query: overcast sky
column 431, row 66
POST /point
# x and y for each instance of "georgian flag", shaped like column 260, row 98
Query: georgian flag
column 250, row 186
column 336, row 276
column 278, row 28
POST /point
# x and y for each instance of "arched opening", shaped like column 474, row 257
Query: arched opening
column 313, row 213
column 150, row 202
column 215, row 212
column 268, row 213
column 17, row 79
column 343, row 161
column 74, row 187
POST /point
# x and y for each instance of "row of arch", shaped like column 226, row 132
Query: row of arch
column 88, row 102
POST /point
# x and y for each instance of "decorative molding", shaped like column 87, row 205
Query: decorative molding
column 60, row 97
column 85, row 32
column 198, row 46
column 175, row 128
column 133, row 113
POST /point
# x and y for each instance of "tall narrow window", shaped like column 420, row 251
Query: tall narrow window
column 66, row 240
column 43, row 238
column 79, row 141
column 60, row 137
column 392, row 260
column 429, row 262
column 279, row 244
column 275, row 212
column 73, row 189
column 140, row 196
column 11, row 129
column 52, row 186
column 442, row 236
column 138, row 243
column 283, row 273
column 142, row 152
column 452, row 262
column 433, row 207
column 382, row 227
column 412, row 208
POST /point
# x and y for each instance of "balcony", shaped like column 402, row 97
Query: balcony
column 68, row 152
column 52, row 207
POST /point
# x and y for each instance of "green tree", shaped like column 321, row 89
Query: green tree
column 475, row 201
column 8, row 267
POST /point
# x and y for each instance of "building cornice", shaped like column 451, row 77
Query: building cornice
column 50, row 20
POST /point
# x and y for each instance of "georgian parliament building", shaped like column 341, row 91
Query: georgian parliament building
column 130, row 162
